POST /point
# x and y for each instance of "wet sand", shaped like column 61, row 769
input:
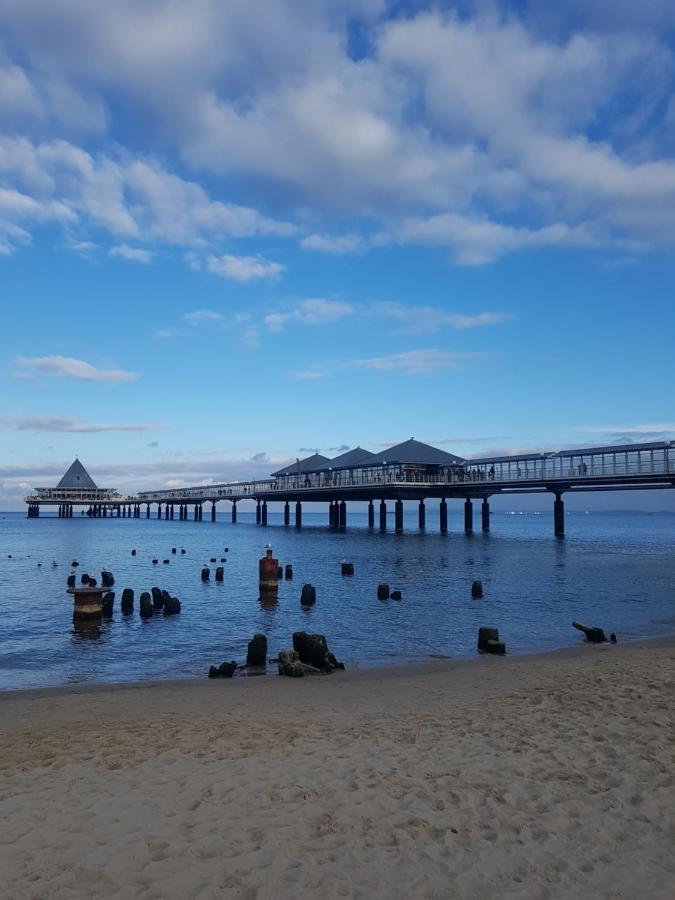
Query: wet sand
column 530, row 777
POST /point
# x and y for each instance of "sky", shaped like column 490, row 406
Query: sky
column 232, row 234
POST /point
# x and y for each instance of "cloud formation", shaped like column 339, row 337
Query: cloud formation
column 244, row 268
column 314, row 311
column 61, row 424
column 536, row 126
column 68, row 367
column 134, row 254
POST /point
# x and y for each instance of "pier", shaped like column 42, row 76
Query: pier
column 410, row 471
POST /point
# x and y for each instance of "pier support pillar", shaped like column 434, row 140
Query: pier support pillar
column 171, row 515
column 468, row 516
column 263, row 513
column 422, row 516
column 559, row 516
column 383, row 515
column 213, row 512
column 343, row 516
column 287, row 513
column 371, row 514
column 443, row 516
column 159, row 510
column 147, row 510
column 234, row 511
column 167, row 511
column 257, row 512
column 331, row 514
column 485, row 514
column 298, row 514
column 398, row 516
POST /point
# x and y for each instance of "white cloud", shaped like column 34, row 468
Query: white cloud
column 199, row 316
column 481, row 133
column 315, row 311
column 414, row 362
column 244, row 268
column 67, row 367
column 135, row 254
column 336, row 245
column 68, row 424
column 428, row 319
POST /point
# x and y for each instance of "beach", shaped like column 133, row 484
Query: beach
column 531, row 777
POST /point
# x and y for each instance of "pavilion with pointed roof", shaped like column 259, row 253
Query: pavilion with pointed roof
column 76, row 488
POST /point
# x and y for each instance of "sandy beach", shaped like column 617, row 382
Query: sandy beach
column 534, row 777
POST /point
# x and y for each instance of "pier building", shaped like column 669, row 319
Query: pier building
column 409, row 471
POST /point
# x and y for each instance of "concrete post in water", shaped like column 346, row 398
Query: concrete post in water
column 167, row 511
column 383, row 515
column 476, row 589
column 371, row 514
column 213, row 510
column 171, row 516
column 87, row 603
column 220, row 572
column 398, row 516
column 559, row 516
column 485, row 514
column 287, row 514
column 146, row 604
column 258, row 512
column 263, row 513
column 422, row 516
column 443, row 516
column 308, row 595
column 468, row 516
column 343, row 516
column 234, row 511
column 288, row 574
column 206, row 573
column 298, row 514
column 159, row 510
column 147, row 510
column 268, row 574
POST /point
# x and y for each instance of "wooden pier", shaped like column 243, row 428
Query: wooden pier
column 411, row 471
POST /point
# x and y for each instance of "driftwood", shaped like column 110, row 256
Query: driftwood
column 593, row 635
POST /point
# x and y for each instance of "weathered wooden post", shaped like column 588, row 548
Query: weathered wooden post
column 268, row 574
column 87, row 603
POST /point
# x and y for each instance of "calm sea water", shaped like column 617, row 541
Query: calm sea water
column 612, row 570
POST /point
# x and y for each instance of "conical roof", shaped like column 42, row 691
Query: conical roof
column 351, row 459
column 77, row 477
column 414, row 452
column 302, row 465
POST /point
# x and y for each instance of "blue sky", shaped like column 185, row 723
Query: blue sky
column 230, row 233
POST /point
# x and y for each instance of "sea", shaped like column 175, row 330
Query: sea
column 612, row 570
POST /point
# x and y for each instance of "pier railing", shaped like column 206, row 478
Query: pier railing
column 638, row 465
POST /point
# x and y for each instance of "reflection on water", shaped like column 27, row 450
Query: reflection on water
column 614, row 571
column 86, row 630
